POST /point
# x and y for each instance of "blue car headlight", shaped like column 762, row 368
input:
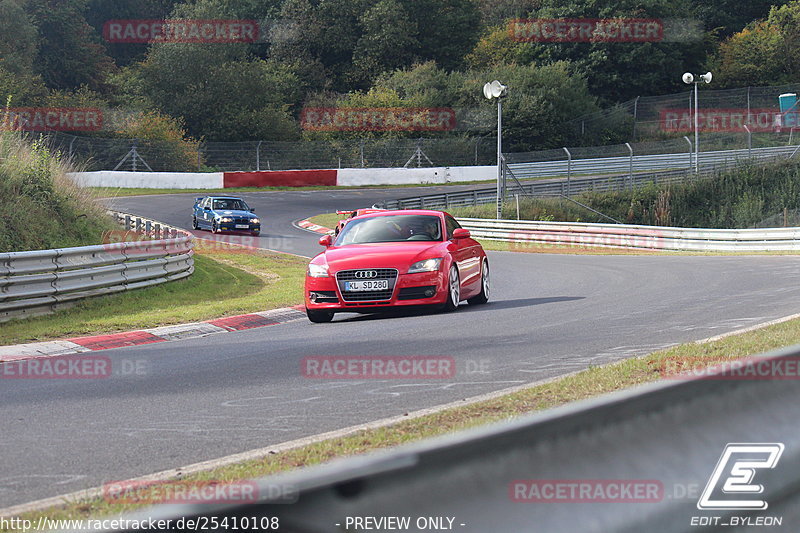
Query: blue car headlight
column 254, row 221
column 226, row 219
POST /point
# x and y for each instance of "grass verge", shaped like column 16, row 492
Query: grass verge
column 585, row 384
column 328, row 220
column 227, row 281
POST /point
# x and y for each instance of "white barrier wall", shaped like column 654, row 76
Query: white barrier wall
column 346, row 177
column 350, row 177
column 149, row 180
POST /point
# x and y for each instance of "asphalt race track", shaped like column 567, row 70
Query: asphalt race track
column 200, row 399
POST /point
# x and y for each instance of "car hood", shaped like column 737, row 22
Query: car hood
column 398, row 255
column 233, row 213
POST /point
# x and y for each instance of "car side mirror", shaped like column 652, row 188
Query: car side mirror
column 326, row 241
column 206, row 208
column 461, row 233
column 252, row 209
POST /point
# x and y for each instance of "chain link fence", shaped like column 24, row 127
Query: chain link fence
column 645, row 117
column 97, row 153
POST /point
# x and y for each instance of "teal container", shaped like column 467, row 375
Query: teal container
column 788, row 103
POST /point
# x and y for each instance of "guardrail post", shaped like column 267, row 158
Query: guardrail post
column 157, row 231
column 148, row 227
column 569, row 169
column 127, row 222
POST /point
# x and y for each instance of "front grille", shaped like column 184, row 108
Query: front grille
column 367, row 296
column 416, row 293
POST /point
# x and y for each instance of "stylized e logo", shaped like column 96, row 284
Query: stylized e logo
column 746, row 458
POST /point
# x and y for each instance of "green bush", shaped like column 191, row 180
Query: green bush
column 40, row 207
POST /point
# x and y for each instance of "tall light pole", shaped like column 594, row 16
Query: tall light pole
column 497, row 90
column 687, row 79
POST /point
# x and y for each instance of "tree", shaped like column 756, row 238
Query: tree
column 69, row 52
column 618, row 71
column 539, row 101
column 764, row 51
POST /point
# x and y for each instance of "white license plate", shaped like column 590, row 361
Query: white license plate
column 242, row 226
column 367, row 285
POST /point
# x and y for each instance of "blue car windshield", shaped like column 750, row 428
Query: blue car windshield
column 391, row 228
column 230, row 205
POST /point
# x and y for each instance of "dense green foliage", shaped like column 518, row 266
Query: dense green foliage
column 401, row 53
column 746, row 197
column 40, row 208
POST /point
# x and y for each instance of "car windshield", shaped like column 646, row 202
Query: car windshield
column 231, row 204
column 391, row 228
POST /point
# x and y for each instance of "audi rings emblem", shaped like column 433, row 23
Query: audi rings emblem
column 364, row 274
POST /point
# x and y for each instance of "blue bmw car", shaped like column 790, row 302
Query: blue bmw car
column 224, row 213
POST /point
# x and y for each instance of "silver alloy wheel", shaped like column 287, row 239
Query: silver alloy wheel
column 486, row 279
column 455, row 286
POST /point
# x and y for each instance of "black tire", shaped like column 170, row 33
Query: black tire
column 453, row 290
column 194, row 222
column 319, row 317
column 214, row 226
column 483, row 296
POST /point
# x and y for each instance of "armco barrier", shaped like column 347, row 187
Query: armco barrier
column 280, row 178
column 657, row 446
column 39, row 282
column 630, row 236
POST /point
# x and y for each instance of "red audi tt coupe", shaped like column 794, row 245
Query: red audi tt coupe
column 390, row 259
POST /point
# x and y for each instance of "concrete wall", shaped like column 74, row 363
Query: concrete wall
column 345, row 177
column 349, row 177
column 149, row 180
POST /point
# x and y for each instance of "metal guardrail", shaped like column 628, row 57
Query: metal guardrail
column 675, row 168
column 41, row 281
column 633, row 236
column 668, row 436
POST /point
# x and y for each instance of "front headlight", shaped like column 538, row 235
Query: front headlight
column 226, row 219
column 317, row 271
column 426, row 265
column 255, row 221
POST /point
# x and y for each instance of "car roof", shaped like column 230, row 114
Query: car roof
column 224, row 197
column 404, row 212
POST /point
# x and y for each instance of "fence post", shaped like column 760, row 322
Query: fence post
column 127, row 222
column 749, row 142
column 630, row 164
column 569, row 169
column 635, row 109
column 690, row 151
column 258, row 156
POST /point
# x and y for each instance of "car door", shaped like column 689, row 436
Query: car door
column 206, row 213
column 466, row 254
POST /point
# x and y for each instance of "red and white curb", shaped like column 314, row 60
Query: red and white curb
column 149, row 336
column 310, row 226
